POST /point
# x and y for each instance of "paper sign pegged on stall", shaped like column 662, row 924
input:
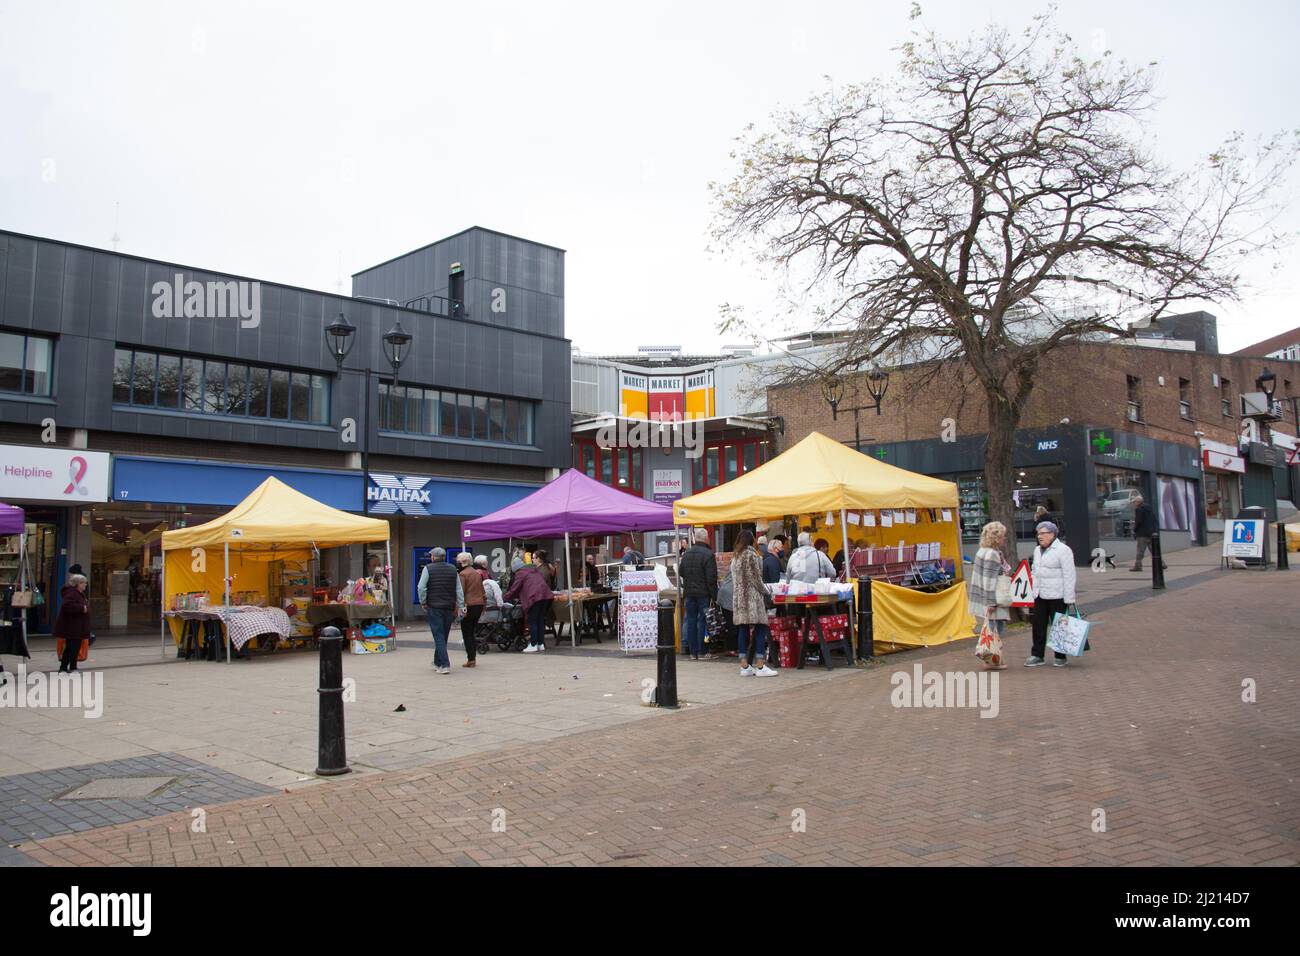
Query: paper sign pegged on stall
column 1022, row 586
column 868, row 519
column 852, row 518
column 830, row 520
column 947, row 515
column 911, row 516
column 886, row 519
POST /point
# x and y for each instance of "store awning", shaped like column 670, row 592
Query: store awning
column 275, row 514
column 817, row 475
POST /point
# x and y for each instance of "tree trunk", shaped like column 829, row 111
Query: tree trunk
column 999, row 467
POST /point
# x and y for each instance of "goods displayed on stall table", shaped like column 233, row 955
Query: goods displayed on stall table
column 248, row 577
column 900, row 533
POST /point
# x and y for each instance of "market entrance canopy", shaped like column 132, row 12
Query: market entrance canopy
column 817, row 475
column 571, row 504
column 276, row 515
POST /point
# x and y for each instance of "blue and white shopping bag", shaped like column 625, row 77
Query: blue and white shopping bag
column 1068, row 634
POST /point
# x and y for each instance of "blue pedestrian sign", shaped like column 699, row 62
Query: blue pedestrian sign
column 1244, row 538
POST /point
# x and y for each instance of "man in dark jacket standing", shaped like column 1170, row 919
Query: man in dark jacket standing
column 1144, row 528
column 698, row 575
column 442, row 597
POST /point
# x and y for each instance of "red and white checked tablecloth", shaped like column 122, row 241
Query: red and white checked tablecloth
column 245, row 623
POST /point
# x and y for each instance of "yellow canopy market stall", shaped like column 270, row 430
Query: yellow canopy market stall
column 889, row 509
column 233, row 552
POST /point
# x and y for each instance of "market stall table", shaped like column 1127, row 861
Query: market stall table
column 351, row 613
column 583, row 605
column 239, row 624
column 810, row 609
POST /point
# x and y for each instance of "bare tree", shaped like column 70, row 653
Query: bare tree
column 992, row 201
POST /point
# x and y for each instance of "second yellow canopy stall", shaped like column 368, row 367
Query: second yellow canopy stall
column 274, row 523
column 822, row 477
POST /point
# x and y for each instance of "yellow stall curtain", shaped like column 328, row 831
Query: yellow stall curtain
column 905, row 618
column 248, row 567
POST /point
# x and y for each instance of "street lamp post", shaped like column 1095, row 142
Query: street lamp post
column 833, row 392
column 338, row 336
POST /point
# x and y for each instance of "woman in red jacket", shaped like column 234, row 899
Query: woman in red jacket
column 73, row 621
column 535, row 595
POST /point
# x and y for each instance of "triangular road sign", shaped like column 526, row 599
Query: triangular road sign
column 1022, row 586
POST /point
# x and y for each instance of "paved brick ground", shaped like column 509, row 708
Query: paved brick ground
column 33, row 807
column 1150, row 727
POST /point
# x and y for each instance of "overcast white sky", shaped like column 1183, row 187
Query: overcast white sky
column 301, row 142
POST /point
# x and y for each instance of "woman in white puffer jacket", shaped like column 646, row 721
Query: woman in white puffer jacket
column 1054, row 582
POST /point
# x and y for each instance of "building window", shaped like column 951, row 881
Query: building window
column 617, row 467
column 1185, row 398
column 1134, row 399
column 437, row 414
column 1117, row 490
column 195, row 385
column 26, row 364
column 1225, row 397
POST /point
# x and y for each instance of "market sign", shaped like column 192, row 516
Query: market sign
column 1244, row 538
column 1217, row 461
column 53, row 474
column 398, row 494
column 667, row 485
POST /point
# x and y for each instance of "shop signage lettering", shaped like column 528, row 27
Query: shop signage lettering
column 53, row 474
column 1101, row 443
column 398, row 494
column 1049, row 445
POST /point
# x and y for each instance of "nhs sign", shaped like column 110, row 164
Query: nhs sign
column 1051, row 444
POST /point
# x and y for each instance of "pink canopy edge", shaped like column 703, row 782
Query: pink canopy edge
column 573, row 504
column 11, row 519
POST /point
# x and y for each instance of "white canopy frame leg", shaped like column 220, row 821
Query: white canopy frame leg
column 226, row 622
column 392, row 595
column 162, row 604
column 848, row 561
column 568, row 579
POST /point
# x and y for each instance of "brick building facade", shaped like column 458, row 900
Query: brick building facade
column 1106, row 422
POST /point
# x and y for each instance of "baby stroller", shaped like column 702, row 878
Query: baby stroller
column 504, row 627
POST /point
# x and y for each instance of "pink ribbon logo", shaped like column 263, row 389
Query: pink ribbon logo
column 77, row 469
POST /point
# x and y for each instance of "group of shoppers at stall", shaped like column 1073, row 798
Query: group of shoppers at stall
column 744, row 596
column 461, row 593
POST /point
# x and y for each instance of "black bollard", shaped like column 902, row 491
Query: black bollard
column 1283, row 562
column 666, row 688
column 866, row 627
column 332, row 753
column 1157, row 565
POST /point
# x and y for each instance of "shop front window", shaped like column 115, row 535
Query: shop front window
column 1177, row 504
column 1116, row 491
column 1037, row 487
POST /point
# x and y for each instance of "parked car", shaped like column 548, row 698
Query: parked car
column 1118, row 501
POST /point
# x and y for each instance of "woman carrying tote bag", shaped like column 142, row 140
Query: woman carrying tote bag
column 990, row 568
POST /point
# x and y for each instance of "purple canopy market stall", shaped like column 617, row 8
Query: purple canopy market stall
column 571, row 504
column 12, row 524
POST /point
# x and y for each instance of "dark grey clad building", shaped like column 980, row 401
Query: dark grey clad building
column 138, row 395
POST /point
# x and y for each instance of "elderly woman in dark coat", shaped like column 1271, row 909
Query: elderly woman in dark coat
column 749, row 609
column 73, row 621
